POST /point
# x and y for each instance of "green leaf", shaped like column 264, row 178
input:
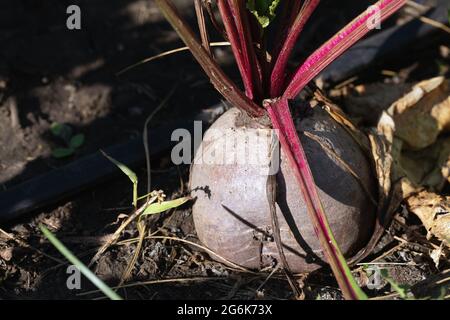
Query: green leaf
column 77, row 141
column 122, row 167
column 130, row 175
column 56, row 128
column 61, row 130
column 62, row 152
column 75, row 261
column 165, row 205
column 263, row 10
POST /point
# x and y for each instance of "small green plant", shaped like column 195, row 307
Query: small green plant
column 405, row 292
column 70, row 140
column 131, row 175
column 151, row 207
column 402, row 290
column 80, row 265
column 154, row 204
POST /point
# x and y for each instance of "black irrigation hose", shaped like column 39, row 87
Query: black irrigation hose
column 93, row 169
column 86, row 172
column 386, row 44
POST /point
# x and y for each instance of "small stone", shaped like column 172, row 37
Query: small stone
column 6, row 253
column 444, row 51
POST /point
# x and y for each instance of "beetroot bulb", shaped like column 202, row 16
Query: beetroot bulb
column 231, row 211
column 324, row 188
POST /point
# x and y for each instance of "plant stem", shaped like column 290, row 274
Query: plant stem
column 339, row 43
column 202, row 25
column 279, row 70
column 290, row 142
column 236, row 45
column 251, row 62
column 218, row 78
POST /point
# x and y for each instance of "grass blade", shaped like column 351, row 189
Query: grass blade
column 75, row 261
column 130, row 173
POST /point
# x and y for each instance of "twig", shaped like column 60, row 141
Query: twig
column 213, row 19
column 431, row 22
column 268, row 277
column 129, row 269
column 145, row 136
column 161, row 281
column 14, row 114
column 271, row 195
column 388, row 296
column 235, row 266
column 167, row 53
column 119, row 230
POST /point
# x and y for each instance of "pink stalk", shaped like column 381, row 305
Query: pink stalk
column 282, row 120
column 288, row 12
column 250, row 61
column 240, row 52
column 334, row 47
column 218, row 78
column 279, row 70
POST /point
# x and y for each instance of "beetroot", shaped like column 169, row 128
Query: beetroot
column 231, row 215
column 231, row 212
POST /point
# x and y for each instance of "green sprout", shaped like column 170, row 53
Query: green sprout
column 71, row 142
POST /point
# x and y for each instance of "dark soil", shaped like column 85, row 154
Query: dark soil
column 49, row 74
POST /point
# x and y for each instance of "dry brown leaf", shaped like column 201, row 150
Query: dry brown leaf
column 429, row 167
column 416, row 120
column 436, row 255
column 410, row 154
column 6, row 253
column 440, row 173
column 434, row 212
column 419, row 152
column 423, row 113
column 382, row 142
column 419, row 158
